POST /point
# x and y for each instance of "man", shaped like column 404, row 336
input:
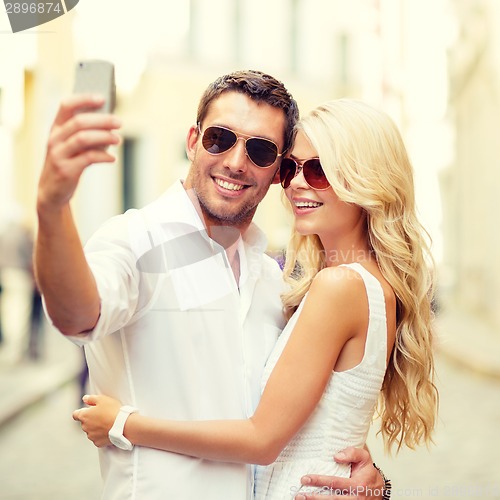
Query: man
column 177, row 305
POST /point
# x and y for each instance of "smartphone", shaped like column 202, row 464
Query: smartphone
column 97, row 77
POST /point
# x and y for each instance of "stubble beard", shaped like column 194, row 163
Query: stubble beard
column 224, row 217
column 219, row 215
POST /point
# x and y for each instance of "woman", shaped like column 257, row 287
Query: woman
column 360, row 316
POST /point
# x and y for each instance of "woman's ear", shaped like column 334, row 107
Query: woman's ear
column 191, row 140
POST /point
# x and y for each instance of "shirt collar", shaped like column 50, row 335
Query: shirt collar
column 175, row 206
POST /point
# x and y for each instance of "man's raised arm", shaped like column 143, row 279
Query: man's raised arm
column 77, row 140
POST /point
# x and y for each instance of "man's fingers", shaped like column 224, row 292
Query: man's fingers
column 324, row 496
column 83, row 141
column 83, row 121
column 355, row 455
column 69, row 159
column 330, row 488
column 75, row 103
column 76, row 141
column 323, row 492
column 327, row 482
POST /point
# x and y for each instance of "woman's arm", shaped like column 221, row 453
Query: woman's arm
column 335, row 313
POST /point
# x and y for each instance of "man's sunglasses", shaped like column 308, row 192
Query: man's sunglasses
column 217, row 140
column 311, row 168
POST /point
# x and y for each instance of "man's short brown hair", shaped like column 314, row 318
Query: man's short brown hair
column 259, row 87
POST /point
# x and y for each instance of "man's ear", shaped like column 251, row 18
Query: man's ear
column 191, row 140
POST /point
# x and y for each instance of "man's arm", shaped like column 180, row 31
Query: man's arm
column 76, row 141
column 365, row 482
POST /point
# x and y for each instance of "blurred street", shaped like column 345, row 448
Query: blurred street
column 464, row 461
column 44, row 455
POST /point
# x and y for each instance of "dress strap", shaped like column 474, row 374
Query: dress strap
column 376, row 336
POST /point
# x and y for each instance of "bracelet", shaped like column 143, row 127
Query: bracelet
column 386, row 491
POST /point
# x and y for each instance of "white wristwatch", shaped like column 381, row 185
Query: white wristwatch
column 116, row 432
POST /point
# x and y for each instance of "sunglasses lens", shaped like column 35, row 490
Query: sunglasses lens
column 312, row 170
column 261, row 151
column 314, row 175
column 287, row 171
column 217, row 140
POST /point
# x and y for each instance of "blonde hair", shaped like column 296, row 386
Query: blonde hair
column 366, row 163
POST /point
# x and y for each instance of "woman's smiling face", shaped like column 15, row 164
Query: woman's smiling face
column 318, row 212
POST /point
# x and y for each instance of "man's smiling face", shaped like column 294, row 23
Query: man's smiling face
column 229, row 186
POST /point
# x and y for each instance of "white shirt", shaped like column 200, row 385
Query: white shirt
column 177, row 339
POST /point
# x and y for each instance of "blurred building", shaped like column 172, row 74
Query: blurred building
column 432, row 65
column 472, row 242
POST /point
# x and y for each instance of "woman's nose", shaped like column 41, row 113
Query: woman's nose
column 298, row 181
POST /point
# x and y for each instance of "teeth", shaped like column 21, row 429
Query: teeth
column 229, row 185
column 307, row 204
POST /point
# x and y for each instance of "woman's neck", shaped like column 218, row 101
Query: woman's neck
column 347, row 249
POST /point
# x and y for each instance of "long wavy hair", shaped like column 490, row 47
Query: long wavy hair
column 366, row 163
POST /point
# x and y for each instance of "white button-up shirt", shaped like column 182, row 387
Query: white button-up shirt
column 177, row 339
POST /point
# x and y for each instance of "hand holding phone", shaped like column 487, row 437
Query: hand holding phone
column 74, row 147
column 96, row 77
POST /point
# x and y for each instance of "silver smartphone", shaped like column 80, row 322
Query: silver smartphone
column 97, row 77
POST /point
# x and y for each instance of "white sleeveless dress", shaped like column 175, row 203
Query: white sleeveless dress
column 343, row 415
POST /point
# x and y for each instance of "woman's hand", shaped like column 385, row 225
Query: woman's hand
column 98, row 418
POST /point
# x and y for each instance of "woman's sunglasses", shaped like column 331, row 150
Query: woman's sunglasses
column 217, row 140
column 311, row 168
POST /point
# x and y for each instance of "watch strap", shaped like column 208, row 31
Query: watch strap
column 116, row 431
